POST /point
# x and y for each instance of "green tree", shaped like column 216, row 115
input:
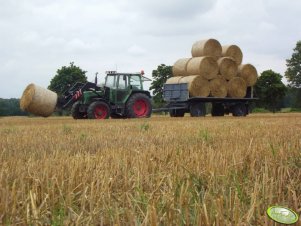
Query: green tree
column 65, row 77
column 293, row 72
column 10, row 107
column 160, row 75
column 270, row 89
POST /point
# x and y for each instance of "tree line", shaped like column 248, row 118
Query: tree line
column 273, row 94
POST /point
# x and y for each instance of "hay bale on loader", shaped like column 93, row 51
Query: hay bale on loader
column 249, row 73
column 218, row 87
column 237, row 88
column 227, row 67
column 232, row 51
column 180, row 67
column 197, row 84
column 204, row 66
column 38, row 100
column 209, row 47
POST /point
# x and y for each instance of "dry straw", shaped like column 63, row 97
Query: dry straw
column 204, row 66
column 208, row 47
column 218, row 87
column 180, row 67
column 38, row 101
column 249, row 73
column 227, row 67
column 232, row 51
column 198, row 86
column 237, row 87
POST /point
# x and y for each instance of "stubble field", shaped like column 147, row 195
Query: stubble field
column 157, row 171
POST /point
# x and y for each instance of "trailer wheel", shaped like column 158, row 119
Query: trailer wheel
column 217, row 110
column 98, row 110
column 138, row 106
column 239, row 110
column 197, row 109
column 76, row 114
column 177, row 112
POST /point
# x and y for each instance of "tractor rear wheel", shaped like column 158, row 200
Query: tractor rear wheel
column 98, row 110
column 197, row 109
column 76, row 114
column 138, row 106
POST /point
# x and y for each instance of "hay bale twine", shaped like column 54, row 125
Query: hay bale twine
column 198, row 86
column 173, row 80
column 204, row 66
column 227, row 67
column 208, row 47
column 232, row 51
column 249, row 73
column 237, row 87
column 180, row 67
column 218, row 87
column 38, row 101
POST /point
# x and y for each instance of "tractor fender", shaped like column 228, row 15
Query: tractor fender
column 141, row 91
column 100, row 99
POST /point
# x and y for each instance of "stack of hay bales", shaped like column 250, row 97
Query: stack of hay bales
column 214, row 70
column 38, row 101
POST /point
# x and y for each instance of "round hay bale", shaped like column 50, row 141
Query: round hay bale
column 198, row 86
column 204, row 66
column 218, row 87
column 173, row 80
column 249, row 73
column 208, row 47
column 232, row 51
column 180, row 67
column 227, row 67
column 38, row 101
column 237, row 87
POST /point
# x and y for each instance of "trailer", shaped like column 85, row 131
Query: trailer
column 178, row 102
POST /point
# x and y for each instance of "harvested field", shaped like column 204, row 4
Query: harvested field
column 157, row 171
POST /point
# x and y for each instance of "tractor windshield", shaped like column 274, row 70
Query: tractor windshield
column 111, row 81
column 135, row 82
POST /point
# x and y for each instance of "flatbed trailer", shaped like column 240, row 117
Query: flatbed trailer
column 178, row 102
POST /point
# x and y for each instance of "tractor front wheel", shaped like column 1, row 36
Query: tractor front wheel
column 138, row 106
column 76, row 114
column 98, row 110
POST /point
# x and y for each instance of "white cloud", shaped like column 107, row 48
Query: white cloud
column 39, row 36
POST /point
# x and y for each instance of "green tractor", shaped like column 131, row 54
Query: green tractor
column 122, row 96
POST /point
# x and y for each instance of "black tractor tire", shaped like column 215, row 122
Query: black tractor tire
column 197, row 109
column 177, row 113
column 217, row 110
column 116, row 116
column 99, row 110
column 138, row 106
column 76, row 114
column 239, row 110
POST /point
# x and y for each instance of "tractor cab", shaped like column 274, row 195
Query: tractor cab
column 122, row 85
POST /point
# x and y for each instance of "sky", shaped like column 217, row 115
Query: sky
column 37, row 37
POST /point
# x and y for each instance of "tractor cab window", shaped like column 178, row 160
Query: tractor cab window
column 135, row 81
column 111, row 81
column 122, row 82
